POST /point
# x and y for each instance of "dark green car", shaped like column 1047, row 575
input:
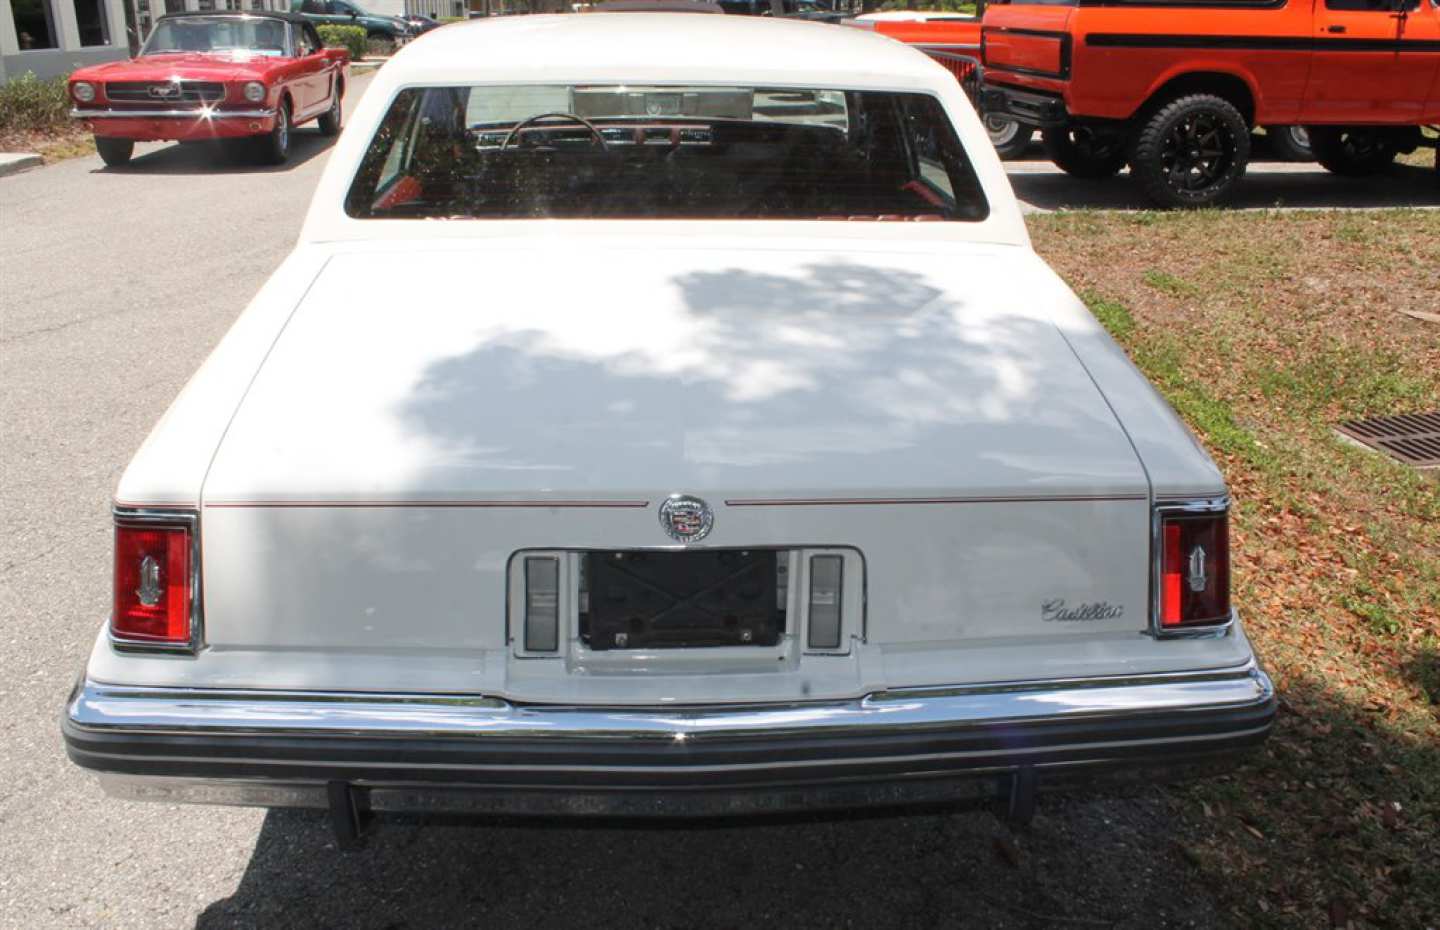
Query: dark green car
column 391, row 29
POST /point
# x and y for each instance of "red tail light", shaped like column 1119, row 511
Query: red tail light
column 153, row 583
column 1194, row 567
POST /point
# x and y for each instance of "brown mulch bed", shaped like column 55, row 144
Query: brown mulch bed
column 65, row 142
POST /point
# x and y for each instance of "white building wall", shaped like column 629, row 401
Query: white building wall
column 383, row 7
column 435, row 9
column 46, row 63
column 52, row 62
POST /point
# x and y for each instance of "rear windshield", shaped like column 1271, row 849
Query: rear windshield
column 664, row 152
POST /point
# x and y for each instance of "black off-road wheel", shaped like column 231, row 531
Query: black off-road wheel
column 1290, row 143
column 1191, row 152
column 273, row 148
column 1082, row 152
column 115, row 152
column 1010, row 138
column 1352, row 152
column 330, row 121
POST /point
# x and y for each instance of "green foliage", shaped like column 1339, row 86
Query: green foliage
column 351, row 38
column 1341, row 380
column 28, row 104
column 1171, row 284
column 1113, row 315
column 1161, row 359
column 447, row 20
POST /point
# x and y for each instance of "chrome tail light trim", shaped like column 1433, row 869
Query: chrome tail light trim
column 156, row 516
column 1157, row 515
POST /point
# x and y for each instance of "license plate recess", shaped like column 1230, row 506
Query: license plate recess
column 683, row 599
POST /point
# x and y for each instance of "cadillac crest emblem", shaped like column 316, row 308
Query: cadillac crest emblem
column 685, row 518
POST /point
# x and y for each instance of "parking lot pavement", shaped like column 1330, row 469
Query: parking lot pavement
column 1042, row 188
column 114, row 285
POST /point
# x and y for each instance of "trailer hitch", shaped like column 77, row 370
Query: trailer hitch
column 347, row 818
column 1020, row 803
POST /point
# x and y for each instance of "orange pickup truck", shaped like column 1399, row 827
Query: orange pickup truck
column 1173, row 87
column 953, row 40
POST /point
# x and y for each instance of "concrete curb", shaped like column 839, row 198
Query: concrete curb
column 14, row 162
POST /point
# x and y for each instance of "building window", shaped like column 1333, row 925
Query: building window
column 90, row 17
column 174, row 6
column 34, row 24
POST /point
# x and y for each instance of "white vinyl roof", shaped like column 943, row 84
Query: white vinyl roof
column 661, row 47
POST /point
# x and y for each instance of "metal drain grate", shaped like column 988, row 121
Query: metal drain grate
column 1413, row 438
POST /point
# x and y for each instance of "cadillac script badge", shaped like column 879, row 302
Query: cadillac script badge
column 685, row 518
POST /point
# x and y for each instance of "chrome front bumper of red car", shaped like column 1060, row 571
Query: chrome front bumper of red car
column 181, row 124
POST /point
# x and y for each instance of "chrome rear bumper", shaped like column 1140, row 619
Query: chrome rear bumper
column 448, row 752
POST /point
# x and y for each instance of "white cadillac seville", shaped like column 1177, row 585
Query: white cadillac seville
column 733, row 451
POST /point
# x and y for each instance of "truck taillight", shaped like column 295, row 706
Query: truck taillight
column 153, row 583
column 1194, row 589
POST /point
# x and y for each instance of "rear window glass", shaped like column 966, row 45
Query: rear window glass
column 664, row 152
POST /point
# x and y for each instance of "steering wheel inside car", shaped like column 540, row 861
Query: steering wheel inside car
column 527, row 123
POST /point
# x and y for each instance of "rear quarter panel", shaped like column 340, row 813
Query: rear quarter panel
column 1121, row 56
column 1029, row 45
column 1431, row 25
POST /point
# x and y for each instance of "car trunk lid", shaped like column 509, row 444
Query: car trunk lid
column 534, row 374
column 428, row 420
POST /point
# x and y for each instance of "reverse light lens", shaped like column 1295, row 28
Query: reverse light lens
column 83, row 91
column 827, row 585
column 152, row 584
column 254, row 91
column 1194, row 569
column 542, row 604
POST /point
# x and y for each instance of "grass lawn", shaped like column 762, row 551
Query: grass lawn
column 1423, row 157
column 1264, row 330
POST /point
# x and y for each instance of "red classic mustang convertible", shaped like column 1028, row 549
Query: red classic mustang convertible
column 245, row 78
